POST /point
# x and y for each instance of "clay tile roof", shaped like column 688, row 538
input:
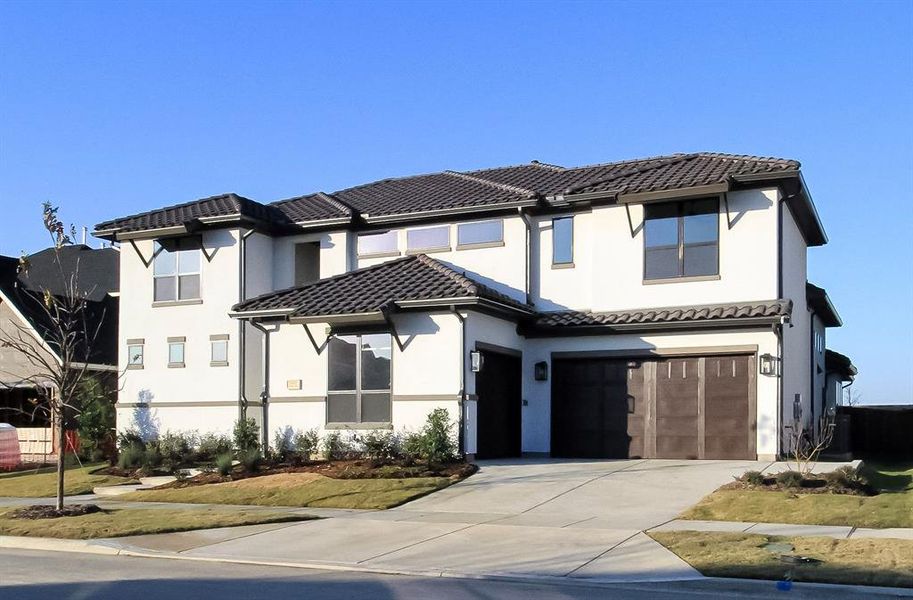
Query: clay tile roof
column 371, row 289
column 224, row 205
column 671, row 314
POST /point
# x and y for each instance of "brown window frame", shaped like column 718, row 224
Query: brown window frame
column 680, row 209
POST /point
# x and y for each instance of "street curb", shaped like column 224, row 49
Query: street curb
column 112, row 548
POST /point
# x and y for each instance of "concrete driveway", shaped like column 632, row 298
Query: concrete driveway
column 525, row 518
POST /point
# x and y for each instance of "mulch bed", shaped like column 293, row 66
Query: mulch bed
column 47, row 511
column 811, row 485
column 337, row 469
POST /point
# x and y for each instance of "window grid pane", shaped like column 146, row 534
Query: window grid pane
column 681, row 239
column 176, row 353
column 428, row 239
column 359, row 385
column 135, row 355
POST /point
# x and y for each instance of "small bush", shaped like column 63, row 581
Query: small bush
column 130, row 439
column 789, row 479
column 251, row 460
column 131, row 457
column 246, row 435
column 336, row 447
column 283, row 443
column 412, row 446
column 847, row 477
column 224, row 463
column 438, row 443
column 152, row 458
column 211, row 446
column 306, row 444
column 176, row 449
column 752, row 478
column 380, row 445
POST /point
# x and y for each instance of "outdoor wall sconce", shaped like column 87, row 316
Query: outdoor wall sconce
column 475, row 361
column 540, row 371
column 770, row 365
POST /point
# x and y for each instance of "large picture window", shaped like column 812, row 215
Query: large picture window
column 359, row 389
column 681, row 239
column 176, row 270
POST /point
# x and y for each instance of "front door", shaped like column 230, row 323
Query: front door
column 499, row 406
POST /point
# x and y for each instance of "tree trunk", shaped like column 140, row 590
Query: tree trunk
column 61, row 457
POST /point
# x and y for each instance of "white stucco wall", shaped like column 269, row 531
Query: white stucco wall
column 797, row 337
column 198, row 382
column 334, row 257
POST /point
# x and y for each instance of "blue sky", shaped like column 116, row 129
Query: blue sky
column 112, row 108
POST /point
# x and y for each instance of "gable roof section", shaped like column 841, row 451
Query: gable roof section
column 408, row 282
column 840, row 365
column 453, row 192
column 568, row 322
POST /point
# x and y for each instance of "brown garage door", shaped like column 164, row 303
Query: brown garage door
column 690, row 407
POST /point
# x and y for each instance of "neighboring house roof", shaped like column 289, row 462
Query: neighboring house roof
column 98, row 277
column 840, row 364
column 434, row 194
column 409, row 282
column 566, row 322
column 818, row 299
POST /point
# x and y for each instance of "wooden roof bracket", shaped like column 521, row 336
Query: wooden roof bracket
column 319, row 348
column 726, row 204
column 146, row 263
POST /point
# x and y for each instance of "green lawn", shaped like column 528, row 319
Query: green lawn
column 28, row 484
column 137, row 521
column 300, row 489
column 893, row 507
column 886, row 562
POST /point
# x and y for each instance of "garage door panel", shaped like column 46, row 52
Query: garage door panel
column 686, row 407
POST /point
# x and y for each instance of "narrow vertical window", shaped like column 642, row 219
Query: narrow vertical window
column 135, row 353
column 563, row 241
column 218, row 350
column 176, row 352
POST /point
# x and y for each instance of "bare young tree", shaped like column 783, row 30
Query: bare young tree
column 806, row 443
column 58, row 353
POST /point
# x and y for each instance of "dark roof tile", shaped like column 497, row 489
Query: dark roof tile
column 372, row 288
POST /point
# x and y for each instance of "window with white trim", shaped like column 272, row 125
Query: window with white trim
column 359, row 385
column 218, row 350
column 176, row 270
column 135, row 354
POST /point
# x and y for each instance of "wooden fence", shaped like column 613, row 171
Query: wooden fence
column 884, row 432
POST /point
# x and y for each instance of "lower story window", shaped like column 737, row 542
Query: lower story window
column 359, row 389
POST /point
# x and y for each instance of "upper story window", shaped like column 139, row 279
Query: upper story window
column 378, row 243
column 429, row 238
column 135, row 353
column 359, row 389
column 480, row 233
column 681, row 239
column 176, row 270
column 563, row 241
column 307, row 262
column 176, row 352
column 218, row 350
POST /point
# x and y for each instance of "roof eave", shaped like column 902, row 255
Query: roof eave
column 444, row 212
column 799, row 199
column 609, row 328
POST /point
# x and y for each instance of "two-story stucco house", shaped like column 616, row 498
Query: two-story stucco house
column 648, row 308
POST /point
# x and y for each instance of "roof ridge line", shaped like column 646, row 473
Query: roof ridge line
column 547, row 166
column 337, row 203
column 675, row 159
column 502, row 186
column 460, row 278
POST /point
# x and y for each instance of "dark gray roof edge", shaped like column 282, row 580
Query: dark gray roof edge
column 821, row 303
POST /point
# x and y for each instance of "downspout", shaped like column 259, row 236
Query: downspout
column 527, row 258
column 264, row 394
column 242, row 337
column 461, row 441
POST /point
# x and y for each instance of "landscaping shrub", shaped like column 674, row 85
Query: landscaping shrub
column 438, row 443
column 752, row 478
column 131, row 457
column 283, row 443
column 251, row 460
column 847, row 478
column 152, row 458
column 336, row 447
column 411, row 446
column 176, row 449
column 211, row 446
column 246, row 435
column 789, row 479
column 224, row 463
column 130, row 439
column 380, row 445
column 306, row 444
